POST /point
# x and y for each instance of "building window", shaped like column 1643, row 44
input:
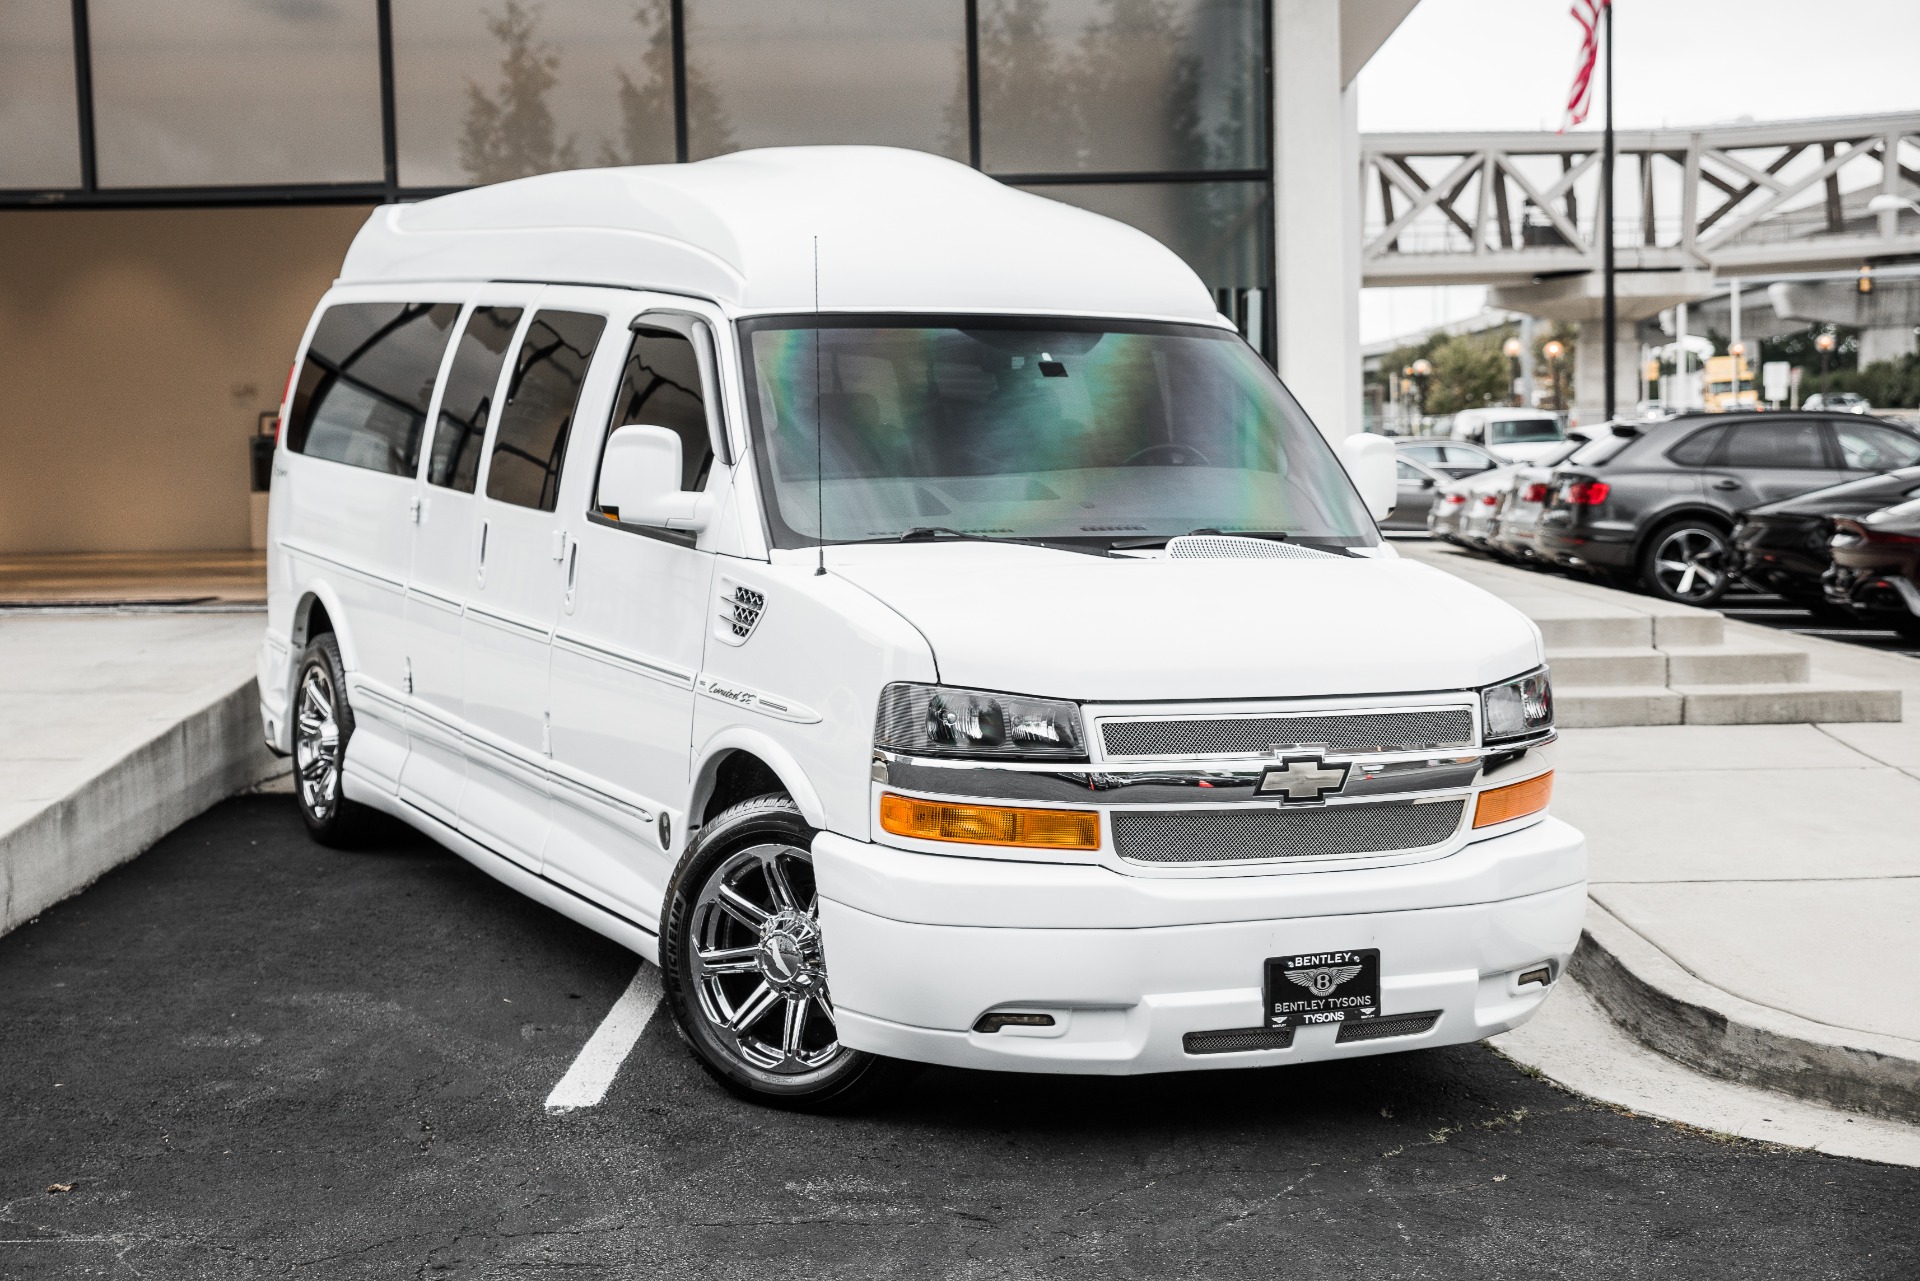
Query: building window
column 38, row 125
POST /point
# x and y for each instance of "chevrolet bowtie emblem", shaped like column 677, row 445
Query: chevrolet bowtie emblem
column 1302, row 778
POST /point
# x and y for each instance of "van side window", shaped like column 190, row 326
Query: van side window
column 455, row 460
column 660, row 386
column 541, row 398
column 364, row 386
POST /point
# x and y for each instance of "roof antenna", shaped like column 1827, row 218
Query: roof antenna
column 819, row 432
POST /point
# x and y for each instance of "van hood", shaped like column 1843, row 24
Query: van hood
column 1061, row 625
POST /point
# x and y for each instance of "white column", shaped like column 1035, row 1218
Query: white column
column 1316, row 202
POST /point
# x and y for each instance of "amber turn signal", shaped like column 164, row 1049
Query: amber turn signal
column 1515, row 800
column 990, row 824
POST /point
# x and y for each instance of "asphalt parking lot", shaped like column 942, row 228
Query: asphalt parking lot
column 246, row 1056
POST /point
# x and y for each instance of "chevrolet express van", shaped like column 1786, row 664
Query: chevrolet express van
column 905, row 611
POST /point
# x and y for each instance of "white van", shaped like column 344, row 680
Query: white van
column 1513, row 435
column 905, row 611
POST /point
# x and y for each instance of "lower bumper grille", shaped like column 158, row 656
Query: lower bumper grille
column 1237, row 1040
column 1387, row 1025
column 1218, row 836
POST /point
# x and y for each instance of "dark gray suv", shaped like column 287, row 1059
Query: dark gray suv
column 1657, row 501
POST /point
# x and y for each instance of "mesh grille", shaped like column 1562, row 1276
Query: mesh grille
column 1250, row 735
column 1238, row 1040
column 1215, row 836
column 1227, row 547
column 1389, row 1025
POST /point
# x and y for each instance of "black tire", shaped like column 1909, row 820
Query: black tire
column 760, row 850
column 322, row 728
column 1687, row 561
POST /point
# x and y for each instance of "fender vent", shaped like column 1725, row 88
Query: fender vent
column 739, row 613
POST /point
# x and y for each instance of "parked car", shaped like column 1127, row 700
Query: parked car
column 1417, row 487
column 1841, row 402
column 1656, row 502
column 1511, row 435
column 1523, row 498
column 1876, row 567
column 1784, row 547
column 1483, row 494
column 1450, row 457
column 806, row 568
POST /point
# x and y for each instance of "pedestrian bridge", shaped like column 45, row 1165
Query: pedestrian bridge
column 1738, row 200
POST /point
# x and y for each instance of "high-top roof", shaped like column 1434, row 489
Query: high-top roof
column 897, row 231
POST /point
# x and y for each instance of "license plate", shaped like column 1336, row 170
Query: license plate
column 1323, row 987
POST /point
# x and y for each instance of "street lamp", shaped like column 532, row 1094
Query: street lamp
column 1887, row 202
column 1824, row 343
column 1512, row 347
column 1422, row 370
column 1553, row 350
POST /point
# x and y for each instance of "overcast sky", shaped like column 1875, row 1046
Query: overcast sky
column 1506, row 64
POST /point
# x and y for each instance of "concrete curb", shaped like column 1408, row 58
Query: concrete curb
column 1668, row 1009
column 199, row 760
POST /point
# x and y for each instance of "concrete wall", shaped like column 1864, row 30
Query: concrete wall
column 136, row 348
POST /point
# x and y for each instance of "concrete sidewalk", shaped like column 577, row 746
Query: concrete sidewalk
column 1756, row 888
column 115, row 728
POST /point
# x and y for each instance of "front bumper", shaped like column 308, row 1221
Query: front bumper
column 920, row 946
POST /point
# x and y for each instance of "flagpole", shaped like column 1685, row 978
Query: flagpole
column 1608, row 307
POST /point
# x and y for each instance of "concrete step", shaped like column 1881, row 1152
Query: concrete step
column 1607, row 706
column 1593, row 631
column 1744, row 664
column 1813, row 703
column 1637, row 665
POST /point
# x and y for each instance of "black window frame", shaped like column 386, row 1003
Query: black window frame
column 558, row 460
column 298, row 434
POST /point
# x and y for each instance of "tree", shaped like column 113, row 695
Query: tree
column 646, row 101
column 1469, row 371
column 510, row 132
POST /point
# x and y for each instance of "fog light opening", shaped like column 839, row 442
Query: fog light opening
column 1000, row 1018
column 1541, row 974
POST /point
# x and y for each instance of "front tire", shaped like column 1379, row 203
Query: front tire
column 322, row 727
column 744, row 970
column 1687, row 562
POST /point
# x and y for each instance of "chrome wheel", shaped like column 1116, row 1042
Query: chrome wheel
column 757, row 964
column 316, row 743
column 1689, row 563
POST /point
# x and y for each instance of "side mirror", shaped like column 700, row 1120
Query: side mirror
column 1426, row 482
column 1370, row 462
column 640, row 481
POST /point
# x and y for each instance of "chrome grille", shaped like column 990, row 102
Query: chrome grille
column 1220, row 836
column 1387, row 1025
column 1237, row 1040
column 1415, row 731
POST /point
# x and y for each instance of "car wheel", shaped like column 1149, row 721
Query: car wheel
column 744, row 970
column 1686, row 562
column 322, row 728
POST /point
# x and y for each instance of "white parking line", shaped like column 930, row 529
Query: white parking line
column 599, row 1060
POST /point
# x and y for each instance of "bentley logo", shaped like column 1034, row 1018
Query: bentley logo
column 1302, row 778
column 1322, row 979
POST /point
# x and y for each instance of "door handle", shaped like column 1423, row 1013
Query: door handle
column 480, row 570
column 1726, row 483
column 573, row 565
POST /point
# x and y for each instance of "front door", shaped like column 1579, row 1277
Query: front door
column 446, row 551
column 629, row 643
column 520, row 549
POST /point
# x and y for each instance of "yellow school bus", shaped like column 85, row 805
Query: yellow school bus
column 1721, row 394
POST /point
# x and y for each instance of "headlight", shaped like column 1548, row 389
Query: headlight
column 937, row 720
column 1519, row 708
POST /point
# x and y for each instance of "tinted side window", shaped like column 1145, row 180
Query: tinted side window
column 1696, row 449
column 660, row 386
column 464, row 405
column 1783, row 444
column 1871, row 447
column 545, row 387
column 364, row 387
column 1406, row 470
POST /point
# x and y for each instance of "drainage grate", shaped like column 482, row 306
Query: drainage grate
column 1412, row 731
column 1216, row 836
column 1387, row 1025
column 1238, row 1040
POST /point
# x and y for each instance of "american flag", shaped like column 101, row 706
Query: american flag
column 1580, row 96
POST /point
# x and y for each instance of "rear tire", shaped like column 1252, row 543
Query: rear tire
column 322, row 728
column 1687, row 562
column 744, row 972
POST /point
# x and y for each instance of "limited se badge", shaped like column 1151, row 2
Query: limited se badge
column 1302, row 778
column 1322, row 987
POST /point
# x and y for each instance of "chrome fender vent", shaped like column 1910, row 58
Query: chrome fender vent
column 739, row 613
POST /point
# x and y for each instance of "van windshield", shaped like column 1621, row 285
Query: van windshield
column 1522, row 431
column 1092, row 433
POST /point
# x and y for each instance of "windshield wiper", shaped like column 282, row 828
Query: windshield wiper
column 927, row 533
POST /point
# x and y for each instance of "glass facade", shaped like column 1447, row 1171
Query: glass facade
column 1154, row 112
